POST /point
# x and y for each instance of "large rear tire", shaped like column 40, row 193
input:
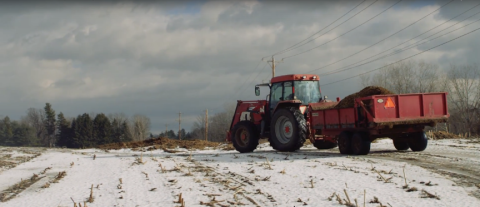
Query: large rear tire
column 288, row 130
column 418, row 141
column 345, row 143
column 401, row 145
column 321, row 144
column 360, row 144
column 245, row 136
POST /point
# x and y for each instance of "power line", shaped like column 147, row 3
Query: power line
column 345, row 32
column 411, row 24
column 243, row 84
column 404, row 49
column 292, row 47
column 403, row 58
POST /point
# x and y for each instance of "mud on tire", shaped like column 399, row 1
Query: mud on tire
column 245, row 136
column 288, row 130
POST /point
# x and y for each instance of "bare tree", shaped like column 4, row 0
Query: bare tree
column 141, row 127
column 35, row 118
column 464, row 97
column 408, row 77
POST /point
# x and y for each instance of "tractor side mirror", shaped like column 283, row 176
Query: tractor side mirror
column 257, row 91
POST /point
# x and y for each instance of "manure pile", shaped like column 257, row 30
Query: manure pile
column 349, row 101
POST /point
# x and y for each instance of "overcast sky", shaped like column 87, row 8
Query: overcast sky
column 158, row 59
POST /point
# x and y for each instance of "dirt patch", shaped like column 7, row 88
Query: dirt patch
column 162, row 143
column 348, row 101
column 443, row 135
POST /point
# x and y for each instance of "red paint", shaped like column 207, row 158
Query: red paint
column 292, row 77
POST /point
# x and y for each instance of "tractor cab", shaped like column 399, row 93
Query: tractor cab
column 281, row 117
column 298, row 89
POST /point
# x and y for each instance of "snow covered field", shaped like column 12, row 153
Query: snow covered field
column 214, row 177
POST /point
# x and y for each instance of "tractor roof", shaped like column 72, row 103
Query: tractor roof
column 292, row 77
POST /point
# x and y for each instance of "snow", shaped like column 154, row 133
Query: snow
column 307, row 177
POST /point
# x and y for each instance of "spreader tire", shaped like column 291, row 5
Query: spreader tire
column 345, row 143
column 418, row 141
column 360, row 144
column 245, row 136
column 321, row 144
column 288, row 130
column 401, row 144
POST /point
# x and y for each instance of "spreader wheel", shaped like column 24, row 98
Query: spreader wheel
column 288, row 130
column 245, row 136
column 401, row 144
column 418, row 141
column 360, row 144
column 321, row 144
column 345, row 143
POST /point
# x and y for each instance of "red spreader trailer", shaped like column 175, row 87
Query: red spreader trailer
column 295, row 110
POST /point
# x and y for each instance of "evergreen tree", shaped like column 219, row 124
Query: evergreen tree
column 72, row 138
column 49, row 123
column 171, row 134
column 102, row 129
column 63, row 131
column 182, row 133
column 84, row 132
column 7, row 132
column 116, row 133
column 24, row 135
column 126, row 133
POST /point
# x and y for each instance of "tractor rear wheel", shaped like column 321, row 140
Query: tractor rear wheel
column 288, row 130
column 418, row 141
column 321, row 144
column 245, row 136
column 401, row 144
column 345, row 143
column 360, row 144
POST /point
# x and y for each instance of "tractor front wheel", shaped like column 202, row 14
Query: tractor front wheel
column 288, row 130
column 245, row 136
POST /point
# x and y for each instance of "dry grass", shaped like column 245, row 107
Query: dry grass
column 59, row 176
column 162, row 142
column 180, row 200
column 426, row 194
column 15, row 189
column 91, row 198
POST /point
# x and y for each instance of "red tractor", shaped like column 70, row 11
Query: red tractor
column 295, row 110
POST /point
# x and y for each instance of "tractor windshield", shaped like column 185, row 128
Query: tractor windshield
column 307, row 91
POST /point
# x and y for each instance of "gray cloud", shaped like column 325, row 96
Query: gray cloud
column 161, row 58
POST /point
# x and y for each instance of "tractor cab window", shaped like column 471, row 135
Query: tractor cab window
column 307, row 91
column 276, row 94
column 281, row 92
column 287, row 91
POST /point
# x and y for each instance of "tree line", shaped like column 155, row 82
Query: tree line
column 42, row 127
column 462, row 82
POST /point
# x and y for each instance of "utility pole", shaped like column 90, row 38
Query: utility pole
column 206, row 125
column 273, row 64
column 179, row 125
column 166, row 130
